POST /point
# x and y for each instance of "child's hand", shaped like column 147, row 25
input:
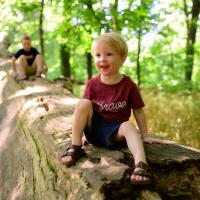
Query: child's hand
column 151, row 140
column 84, row 141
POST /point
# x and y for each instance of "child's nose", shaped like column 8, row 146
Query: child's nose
column 102, row 58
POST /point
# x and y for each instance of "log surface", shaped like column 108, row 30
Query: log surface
column 35, row 128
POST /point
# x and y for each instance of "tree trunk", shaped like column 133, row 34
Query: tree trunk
column 35, row 127
column 191, row 36
column 41, row 32
column 138, row 70
column 65, row 61
column 89, row 65
column 114, row 13
column 4, row 45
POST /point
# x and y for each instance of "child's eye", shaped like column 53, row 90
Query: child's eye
column 97, row 55
column 109, row 54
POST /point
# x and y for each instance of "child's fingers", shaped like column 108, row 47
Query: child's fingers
column 154, row 141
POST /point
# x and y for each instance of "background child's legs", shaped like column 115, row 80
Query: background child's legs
column 39, row 63
column 31, row 70
column 81, row 118
column 22, row 66
column 128, row 132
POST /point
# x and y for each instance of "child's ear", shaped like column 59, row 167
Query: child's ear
column 123, row 58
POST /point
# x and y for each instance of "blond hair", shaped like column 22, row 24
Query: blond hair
column 115, row 40
column 26, row 37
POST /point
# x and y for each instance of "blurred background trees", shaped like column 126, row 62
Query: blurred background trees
column 163, row 37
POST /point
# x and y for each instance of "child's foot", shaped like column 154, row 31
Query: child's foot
column 38, row 74
column 140, row 175
column 73, row 153
column 22, row 77
column 14, row 74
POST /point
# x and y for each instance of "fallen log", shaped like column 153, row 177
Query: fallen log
column 35, row 128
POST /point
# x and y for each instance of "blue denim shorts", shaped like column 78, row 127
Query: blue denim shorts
column 101, row 131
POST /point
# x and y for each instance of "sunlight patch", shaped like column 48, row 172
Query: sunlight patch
column 2, row 75
column 69, row 101
column 29, row 91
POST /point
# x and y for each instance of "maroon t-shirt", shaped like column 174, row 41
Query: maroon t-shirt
column 113, row 102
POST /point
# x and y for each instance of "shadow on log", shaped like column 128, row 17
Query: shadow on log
column 35, row 128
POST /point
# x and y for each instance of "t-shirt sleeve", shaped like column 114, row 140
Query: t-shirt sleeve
column 18, row 54
column 86, row 94
column 36, row 51
column 135, row 97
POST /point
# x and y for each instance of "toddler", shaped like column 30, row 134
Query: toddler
column 103, row 113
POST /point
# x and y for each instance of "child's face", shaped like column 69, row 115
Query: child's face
column 26, row 44
column 107, row 59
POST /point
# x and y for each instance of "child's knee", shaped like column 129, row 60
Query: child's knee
column 127, row 126
column 84, row 105
column 22, row 57
column 39, row 57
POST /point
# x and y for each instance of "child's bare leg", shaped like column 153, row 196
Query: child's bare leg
column 81, row 118
column 128, row 132
column 23, row 65
column 39, row 62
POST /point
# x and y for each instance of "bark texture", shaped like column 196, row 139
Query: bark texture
column 35, row 128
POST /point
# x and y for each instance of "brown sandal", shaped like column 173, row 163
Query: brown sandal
column 143, row 171
column 75, row 152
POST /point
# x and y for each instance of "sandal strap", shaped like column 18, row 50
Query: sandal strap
column 141, row 172
column 141, row 165
column 73, row 146
column 75, row 150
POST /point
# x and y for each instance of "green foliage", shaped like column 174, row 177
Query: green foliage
column 76, row 23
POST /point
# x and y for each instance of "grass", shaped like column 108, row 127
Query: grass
column 174, row 116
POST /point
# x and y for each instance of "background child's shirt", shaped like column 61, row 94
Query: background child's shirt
column 30, row 55
column 113, row 102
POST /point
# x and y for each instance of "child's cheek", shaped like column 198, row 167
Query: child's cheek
column 97, row 65
column 98, row 68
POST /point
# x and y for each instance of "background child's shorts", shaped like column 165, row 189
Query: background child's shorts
column 101, row 131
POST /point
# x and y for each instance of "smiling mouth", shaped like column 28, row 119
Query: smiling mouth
column 104, row 67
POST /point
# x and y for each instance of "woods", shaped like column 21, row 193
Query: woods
column 36, row 115
column 163, row 36
column 192, row 16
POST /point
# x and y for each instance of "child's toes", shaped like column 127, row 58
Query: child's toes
column 66, row 159
column 145, row 178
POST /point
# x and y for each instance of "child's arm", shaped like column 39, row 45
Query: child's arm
column 142, row 124
column 141, row 121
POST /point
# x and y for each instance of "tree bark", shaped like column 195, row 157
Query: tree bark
column 138, row 70
column 41, row 31
column 35, row 127
column 89, row 65
column 65, row 61
column 114, row 13
column 191, row 23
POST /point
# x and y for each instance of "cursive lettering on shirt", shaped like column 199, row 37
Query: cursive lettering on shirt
column 114, row 107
